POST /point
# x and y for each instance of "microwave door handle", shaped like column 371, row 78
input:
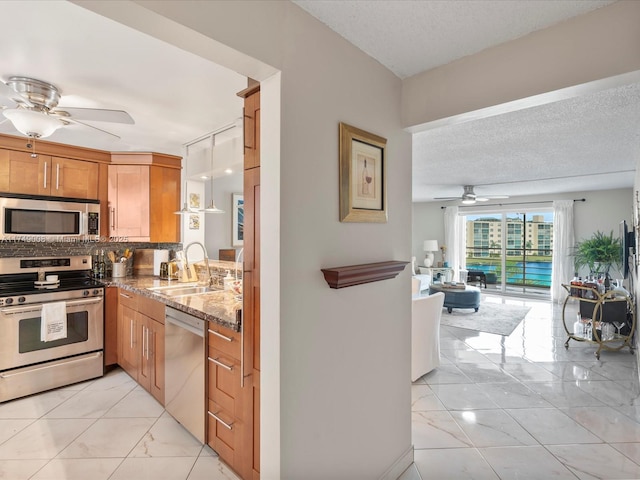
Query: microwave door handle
column 83, row 222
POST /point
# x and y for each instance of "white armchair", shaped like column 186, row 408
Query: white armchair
column 425, row 334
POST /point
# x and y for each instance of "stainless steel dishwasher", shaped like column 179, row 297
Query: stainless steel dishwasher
column 184, row 370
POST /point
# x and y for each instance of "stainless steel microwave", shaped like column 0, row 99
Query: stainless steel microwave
column 31, row 218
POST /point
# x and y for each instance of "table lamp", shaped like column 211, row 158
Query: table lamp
column 429, row 247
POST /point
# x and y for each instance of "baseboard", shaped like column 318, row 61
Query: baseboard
column 399, row 466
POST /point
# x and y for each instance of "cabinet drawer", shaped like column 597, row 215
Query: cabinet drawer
column 151, row 308
column 225, row 340
column 128, row 299
column 224, row 381
column 224, row 434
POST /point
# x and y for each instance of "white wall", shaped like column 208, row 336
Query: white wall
column 339, row 404
column 603, row 210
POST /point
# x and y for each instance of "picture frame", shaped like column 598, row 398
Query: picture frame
column 237, row 219
column 363, row 189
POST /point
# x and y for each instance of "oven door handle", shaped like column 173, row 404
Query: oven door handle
column 38, row 307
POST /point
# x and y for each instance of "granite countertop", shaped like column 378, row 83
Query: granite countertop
column 219, row 306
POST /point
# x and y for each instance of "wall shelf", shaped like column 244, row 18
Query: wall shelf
column 340, row 277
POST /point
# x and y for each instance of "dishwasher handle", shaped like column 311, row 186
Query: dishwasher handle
column 184, row 320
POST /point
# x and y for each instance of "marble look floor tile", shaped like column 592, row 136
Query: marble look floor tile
column 446, row 374
column 436, row 429
column 612, row 393
column 630, row 450
column 525, row 463
column 453, row 464
column 20, row 469
column 78, row 469
column 595, row 461
column 34, row 406
column 537, row 421
column 137, row 403
column 423, row 398
column 98, row 440
column 212, row 468
column 116, row 378
column 89, row 403
column 492, row 428
column 505, row 357
column 606, row 422
column 614, row 369
column 9, row 427
column 569, row 371
column 513, row 395
column 44, row 438
column 465, row 356
column 167, row 438
column 485, row 373
column 563, row 394
column 159, row 468
column 529, row 372
column 463, row 397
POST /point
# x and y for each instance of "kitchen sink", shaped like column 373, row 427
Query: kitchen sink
column 182, row 290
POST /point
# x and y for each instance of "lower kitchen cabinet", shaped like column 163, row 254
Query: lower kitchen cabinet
column 229, row 421
column 141, row 341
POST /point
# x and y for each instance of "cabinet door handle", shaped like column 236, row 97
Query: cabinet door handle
column 224, row 337
column 241, row 349
column 131, row 333
column 125, row 295
column 44, row 185
column 228, row 425
column 57, row 176
column 220, row 364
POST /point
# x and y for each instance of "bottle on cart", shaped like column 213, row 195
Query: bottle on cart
column 575, row 282
column 578, row 327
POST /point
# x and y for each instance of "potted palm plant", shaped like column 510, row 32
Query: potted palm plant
column 599, row 253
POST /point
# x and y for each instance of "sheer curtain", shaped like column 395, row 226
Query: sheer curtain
column 563, row 243
column 455, row 237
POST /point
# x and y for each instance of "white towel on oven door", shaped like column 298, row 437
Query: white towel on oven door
column 53, row 321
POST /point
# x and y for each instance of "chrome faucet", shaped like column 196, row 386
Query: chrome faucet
column 206, row 260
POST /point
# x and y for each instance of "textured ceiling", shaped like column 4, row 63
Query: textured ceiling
column 585, row 143
column 409, row 37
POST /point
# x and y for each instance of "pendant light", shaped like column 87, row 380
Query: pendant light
column 212, row 206
column 185, row 208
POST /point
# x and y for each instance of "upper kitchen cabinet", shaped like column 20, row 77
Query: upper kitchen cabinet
column 251, row 97
column 47, row 175
column 143, row 194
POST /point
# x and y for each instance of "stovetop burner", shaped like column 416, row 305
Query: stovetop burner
column 28, row 287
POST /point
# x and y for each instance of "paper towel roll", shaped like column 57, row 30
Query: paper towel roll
column 159, row 256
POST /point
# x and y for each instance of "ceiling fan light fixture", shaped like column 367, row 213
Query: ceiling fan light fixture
column 468, row 201
column 32, row 123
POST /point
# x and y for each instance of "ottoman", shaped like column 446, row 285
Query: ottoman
column 458, row 298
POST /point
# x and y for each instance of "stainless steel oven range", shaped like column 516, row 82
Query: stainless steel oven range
column 52, row 329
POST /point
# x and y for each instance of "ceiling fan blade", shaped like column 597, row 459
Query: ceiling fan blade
column 446, row 198
column 95, row 115
column 72, row 120
column 498, row 197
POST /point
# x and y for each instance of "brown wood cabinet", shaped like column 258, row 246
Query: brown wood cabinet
column 111, row 326
column 47, row 175
column 141, row 341
column 143, row 194
column 233, row 366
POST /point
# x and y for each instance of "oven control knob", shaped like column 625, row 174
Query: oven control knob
column 8, row 301
column 21, row 299
column 96, row 292
column 85, row 293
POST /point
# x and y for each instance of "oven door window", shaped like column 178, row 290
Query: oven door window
column 29, row 332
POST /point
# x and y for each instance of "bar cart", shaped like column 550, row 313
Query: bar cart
column 597, row 314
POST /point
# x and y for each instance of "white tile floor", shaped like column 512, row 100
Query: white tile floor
column 524, row 407
column 517, row 407
column 104, row 429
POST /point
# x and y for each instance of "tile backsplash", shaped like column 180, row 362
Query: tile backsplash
column 60, row 249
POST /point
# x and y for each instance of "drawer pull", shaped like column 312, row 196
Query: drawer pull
column 224, row 337
column 227, row 425
column 219, row 363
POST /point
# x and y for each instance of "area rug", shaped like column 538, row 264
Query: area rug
column 490, row 318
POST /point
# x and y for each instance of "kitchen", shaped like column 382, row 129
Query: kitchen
column 70, row 253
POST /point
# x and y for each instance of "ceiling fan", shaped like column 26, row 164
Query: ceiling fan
column 469, row 197
column 36, row 116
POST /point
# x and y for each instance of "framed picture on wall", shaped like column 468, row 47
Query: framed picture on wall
column 237, row 225
column 363, row 189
